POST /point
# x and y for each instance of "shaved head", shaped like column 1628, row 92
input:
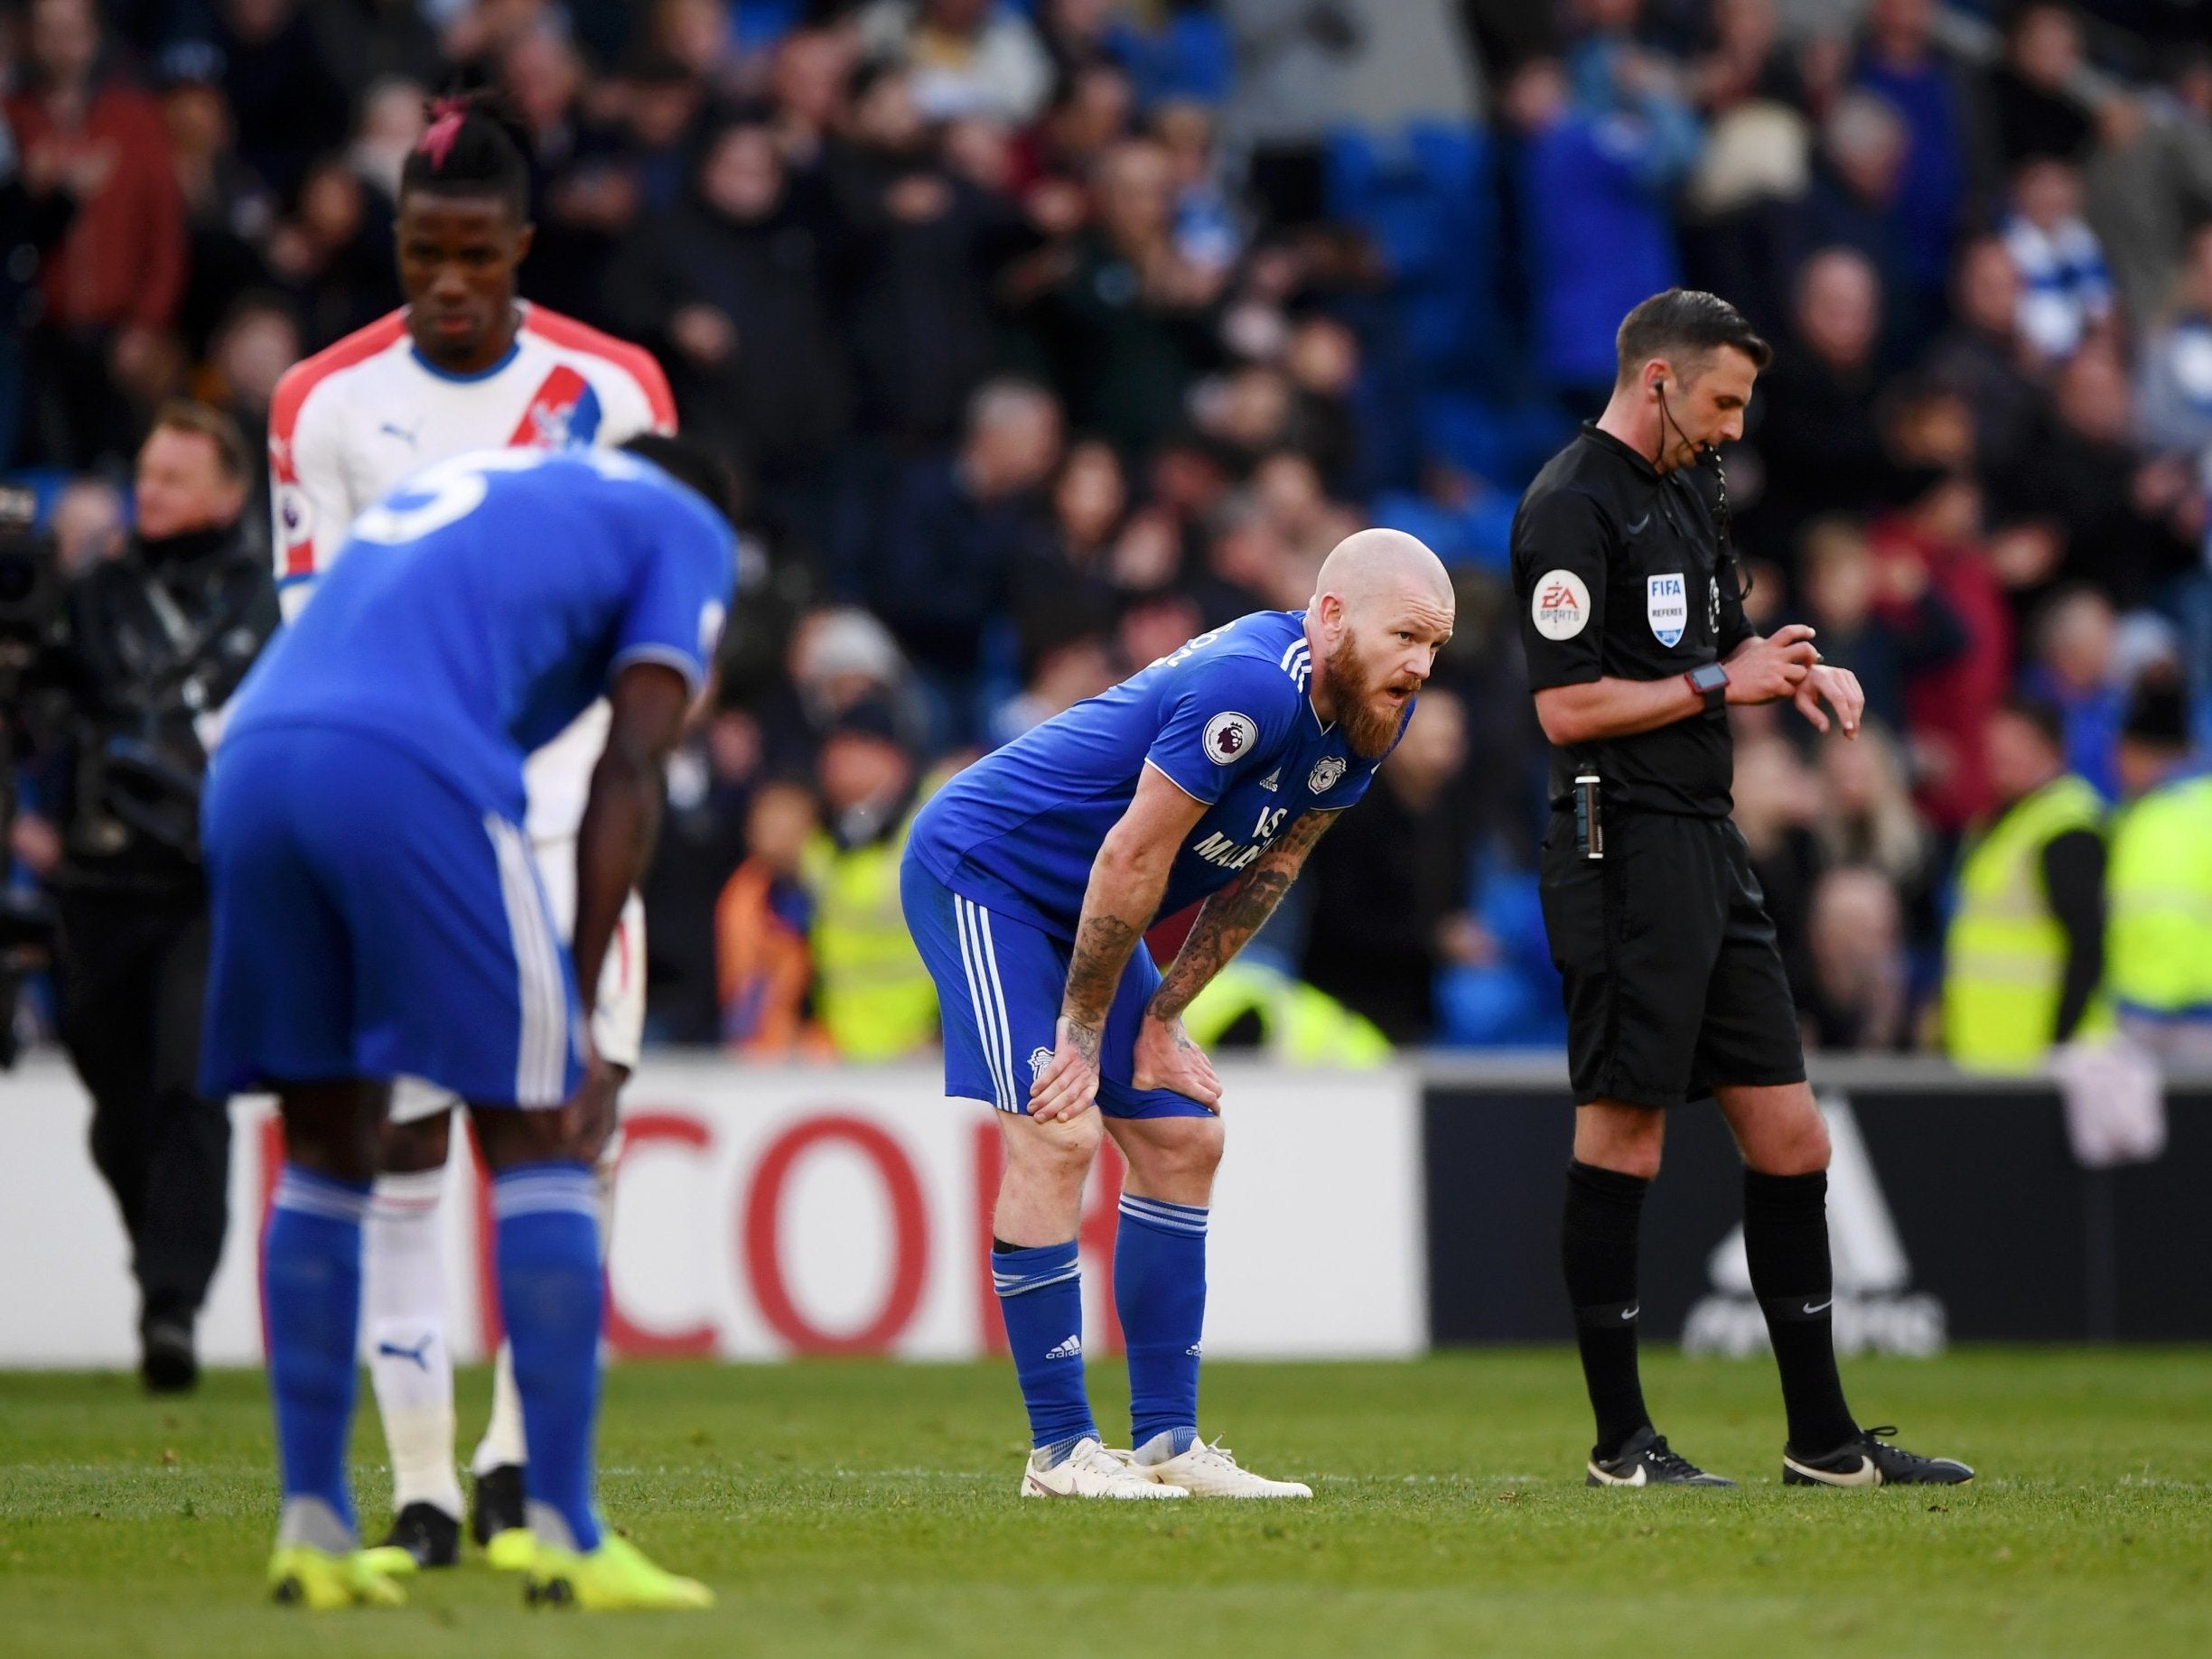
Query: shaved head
column 1383, row 607
column 1368, row 566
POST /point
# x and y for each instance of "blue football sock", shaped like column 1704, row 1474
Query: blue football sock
column 550, row 1297
column 1041, row 1293
column 1160, row 1293
column 311, row 1288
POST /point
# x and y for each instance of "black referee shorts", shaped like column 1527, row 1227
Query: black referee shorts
column 1673, row 979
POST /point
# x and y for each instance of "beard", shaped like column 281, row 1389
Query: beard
column 1370, row 725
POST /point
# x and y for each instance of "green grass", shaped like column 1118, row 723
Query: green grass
column 869, row 1509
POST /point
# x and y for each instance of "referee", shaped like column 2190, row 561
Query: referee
column 1632, row 617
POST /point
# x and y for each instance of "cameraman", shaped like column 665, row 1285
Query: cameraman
column 156, row 639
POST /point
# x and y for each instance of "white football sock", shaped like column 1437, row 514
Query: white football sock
column 503, row 1443
column 403, row 1298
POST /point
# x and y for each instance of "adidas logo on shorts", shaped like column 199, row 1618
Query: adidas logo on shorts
column 1070, row 1349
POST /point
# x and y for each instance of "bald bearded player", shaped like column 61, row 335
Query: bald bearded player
column 1029, row 883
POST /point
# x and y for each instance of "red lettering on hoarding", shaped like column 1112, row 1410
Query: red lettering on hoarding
column 1096, row 1233
column 909, row 1236
column 625, row 1336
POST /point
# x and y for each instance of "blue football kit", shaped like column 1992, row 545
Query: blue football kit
column 376, row 910
column 996, row 867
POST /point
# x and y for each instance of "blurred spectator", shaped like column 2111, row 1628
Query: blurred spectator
column 1859, row 989
column 1881, row 617
column 732, row 286
column 936, row 565
column 967, row 56
column 1749, row 61
column 2025, row 952
column 229, row 208
column 111, row 287
column 1589, row 182
column 289, row 105
column 807, row 76
column 1818, row 438
column 2126, row 525
column 1851, row 204
column 35, row 210
column 2030, row 91
column 1778, row 803
column 87, row 524
column 586, row 199
column 393, row 115
column 872, row 995
column 663, row 106
column 1984, row 359
column 1867, row 818
column 1064, row 586
column 1290, row 60
column 1391, row 882
column 1131, row 322
column 1061, row 674
column 714, row 777
column 257, row 341
column 334, row 253
column 1946, row 706
column 2066, row 292
column 925, row 244
column 762, row 964
column 2173, row 386
column 2146, row 185
column 1206, row 231
column 1900, row 62
column 2074, row 669
column 2159, row 941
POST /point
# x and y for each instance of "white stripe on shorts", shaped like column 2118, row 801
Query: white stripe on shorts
column 974, row 923
column 542, row 1050
column 1015, row 1100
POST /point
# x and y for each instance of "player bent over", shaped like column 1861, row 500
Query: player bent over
column 464, row 365
column 1029, row 883
column 377, row 914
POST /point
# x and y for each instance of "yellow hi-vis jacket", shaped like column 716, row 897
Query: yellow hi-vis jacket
column 2158, row 938
column 2004, row 956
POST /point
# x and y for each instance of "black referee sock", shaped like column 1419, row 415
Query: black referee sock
column 1785, row 1239
column 1598, row 1244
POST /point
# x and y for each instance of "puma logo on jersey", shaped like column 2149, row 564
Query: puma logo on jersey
column 406, row 435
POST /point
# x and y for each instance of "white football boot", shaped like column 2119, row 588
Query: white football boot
column 1210, row 1470
column 1092, row 1471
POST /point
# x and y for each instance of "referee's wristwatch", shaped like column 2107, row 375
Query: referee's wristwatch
column 1710, row 683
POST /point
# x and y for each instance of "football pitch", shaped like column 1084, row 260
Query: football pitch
column 867, row 1508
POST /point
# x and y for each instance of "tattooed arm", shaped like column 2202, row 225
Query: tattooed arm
column 1166, row 1057
column 1128, row 880
column 1234, row 915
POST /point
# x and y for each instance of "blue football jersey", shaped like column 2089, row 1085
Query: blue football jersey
column 487, row 600
column 1226, row 718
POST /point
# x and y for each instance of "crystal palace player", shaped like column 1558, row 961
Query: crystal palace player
column 377, row 915
column 1029, row 883
column 1632, row 619
column 464, row 366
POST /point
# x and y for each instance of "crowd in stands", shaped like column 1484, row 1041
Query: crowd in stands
column 1049, row 333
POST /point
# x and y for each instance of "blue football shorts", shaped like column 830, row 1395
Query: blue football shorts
column 999, row 983
column 369, row 921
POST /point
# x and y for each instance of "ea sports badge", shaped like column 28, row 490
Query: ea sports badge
column 1324, row 775
column 1666, row 606
column 1560, row 606
column 1229, row 737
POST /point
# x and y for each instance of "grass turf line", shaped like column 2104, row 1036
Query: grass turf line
column 870, row 1509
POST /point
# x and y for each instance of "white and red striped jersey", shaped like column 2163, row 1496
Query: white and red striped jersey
column 353, row 421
